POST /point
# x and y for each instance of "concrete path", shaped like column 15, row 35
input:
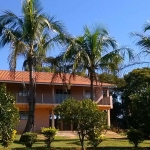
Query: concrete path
column 111, row 134
column 73, row 134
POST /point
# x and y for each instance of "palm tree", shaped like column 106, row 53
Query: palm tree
column 143, row 40
column 91, row 53
column 27, row 35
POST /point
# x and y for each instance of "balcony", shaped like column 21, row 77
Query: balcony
column 59, row 98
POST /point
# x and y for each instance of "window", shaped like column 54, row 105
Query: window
column 88, row 94
column 23, row 92
column 61, row 91
column 23, row 115
column 61, row 95
column 105, row 92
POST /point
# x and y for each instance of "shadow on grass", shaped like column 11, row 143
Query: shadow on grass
column 21, row 143
column 118, row 138
column 89, row 148
column 77, row 142
column 70, row 141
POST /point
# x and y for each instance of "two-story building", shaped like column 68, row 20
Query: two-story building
column 50, row 92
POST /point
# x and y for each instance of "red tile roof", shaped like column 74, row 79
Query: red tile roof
column 45, row 78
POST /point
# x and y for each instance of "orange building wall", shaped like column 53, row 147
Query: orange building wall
column 77, row 92
column 41, row 118
column 21, row 126
column 44, row 88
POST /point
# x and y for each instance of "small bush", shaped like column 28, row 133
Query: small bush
column 29, row 138
column 49, row 134
column 94, row 137
column 13, row 135
column 135, row 136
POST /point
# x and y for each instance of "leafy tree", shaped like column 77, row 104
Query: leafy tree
column 9, row 116
column 91, row 53
column 85, row 114
column 136, row 100
column 27, row 36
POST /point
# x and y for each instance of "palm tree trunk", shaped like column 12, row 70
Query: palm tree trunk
column 30, row 98
column 92, row 87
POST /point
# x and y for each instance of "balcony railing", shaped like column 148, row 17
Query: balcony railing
column 59, row 98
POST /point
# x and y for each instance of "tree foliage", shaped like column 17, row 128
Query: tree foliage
column 85, row 114
column 136, row 99
column 30, row 36
column 95, row 51
column 9, row 116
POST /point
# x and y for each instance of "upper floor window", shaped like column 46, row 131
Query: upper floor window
column 88, row 94
column 104, row 92
column 61, row 91
column 61, row 95
column 23, row 92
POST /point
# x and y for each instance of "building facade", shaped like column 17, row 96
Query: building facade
column 51, row 90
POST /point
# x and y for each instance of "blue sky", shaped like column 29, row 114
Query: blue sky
column 119, row 17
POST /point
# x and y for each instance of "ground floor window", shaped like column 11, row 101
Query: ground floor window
column 23, row 115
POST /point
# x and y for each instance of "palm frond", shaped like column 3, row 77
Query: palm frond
column 146, row 26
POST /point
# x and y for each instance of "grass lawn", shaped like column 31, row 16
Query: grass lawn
column 65, row 143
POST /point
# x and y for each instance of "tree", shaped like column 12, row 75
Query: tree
column 143, row 40
column 84, row 114
column 91, row 53
column 136, row 100
column 9, row 116
column 27, row 35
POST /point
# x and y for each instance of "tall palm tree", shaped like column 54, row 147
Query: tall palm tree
column 91, row 53
column 143, row 40
column 26, row 35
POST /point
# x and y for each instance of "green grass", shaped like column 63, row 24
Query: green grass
column 65, row 143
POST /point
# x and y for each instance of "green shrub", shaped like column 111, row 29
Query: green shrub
column 135, row 136
column 94, row 137
column 49, row 134
column 29, row 138
column 9, row 116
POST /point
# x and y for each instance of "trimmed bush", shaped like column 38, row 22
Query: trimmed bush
column 29, row 139
column 49, row 134
column 135, row 136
